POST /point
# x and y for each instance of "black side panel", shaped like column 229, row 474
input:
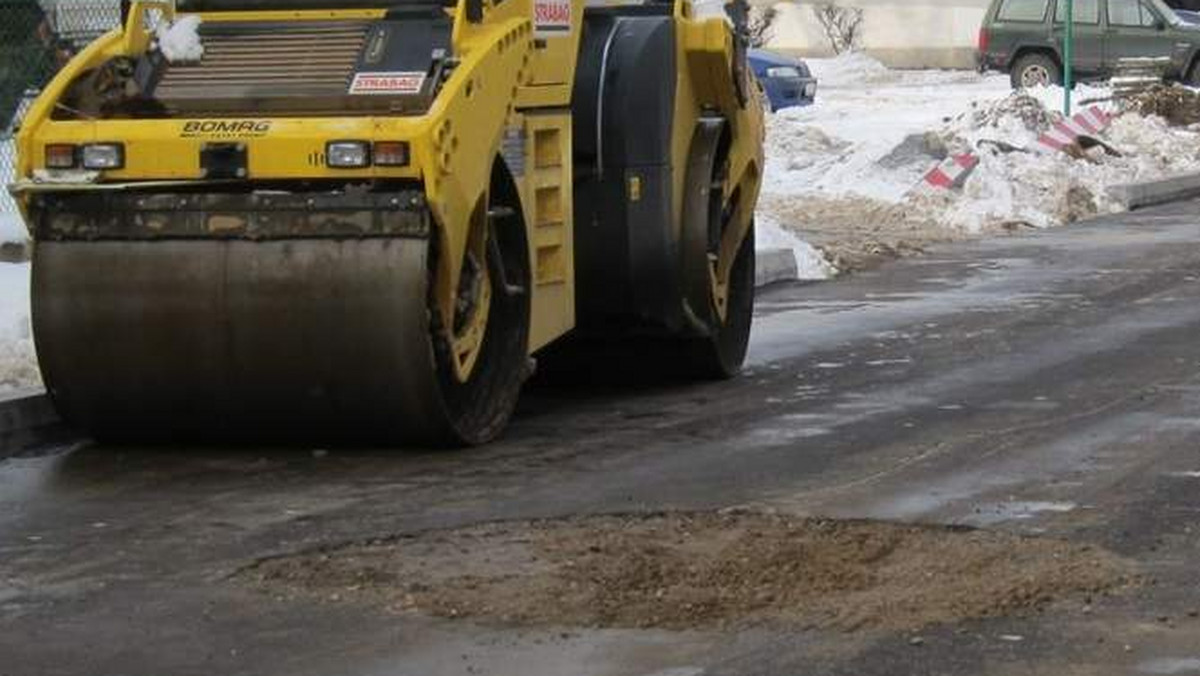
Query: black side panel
column 626, row 253
column 406, row 43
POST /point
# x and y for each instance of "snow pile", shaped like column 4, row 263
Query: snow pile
column 809, row 146
column 710, row 9
column 859, row 156
column 12, row 229
column 831, row 148
column 179, row 41
column 850, row 68
column 1016, row 182
column 8, row 163
column 18, row 362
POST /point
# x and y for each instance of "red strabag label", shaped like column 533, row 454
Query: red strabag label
column 387, row 83
column 552, row 17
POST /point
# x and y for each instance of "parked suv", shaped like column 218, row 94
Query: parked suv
column 1024, row 38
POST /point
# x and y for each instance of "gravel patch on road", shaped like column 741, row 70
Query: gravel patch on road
column 859, row 234
column 700, row 570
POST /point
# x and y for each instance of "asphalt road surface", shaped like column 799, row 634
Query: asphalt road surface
column 1044, row 384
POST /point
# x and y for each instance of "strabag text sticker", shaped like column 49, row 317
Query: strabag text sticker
column 551, row 17
column 387, row 83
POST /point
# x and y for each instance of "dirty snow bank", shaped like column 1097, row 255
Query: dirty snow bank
column 850, row 69
column 179, row 41
column 1045, row 189
column 849, row 169
column 18, row 363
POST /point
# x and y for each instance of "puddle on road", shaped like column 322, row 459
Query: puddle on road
column 696, row 570
column 1171, row 665
column 1015, row 510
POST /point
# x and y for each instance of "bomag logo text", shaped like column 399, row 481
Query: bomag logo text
column 225, row 128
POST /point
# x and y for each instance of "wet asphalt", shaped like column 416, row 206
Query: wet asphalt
column 1046, row 383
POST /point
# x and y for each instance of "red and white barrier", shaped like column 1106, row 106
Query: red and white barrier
column 1066, row 132
column 953, row 171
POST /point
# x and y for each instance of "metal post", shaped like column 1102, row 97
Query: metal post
column 1068, row 57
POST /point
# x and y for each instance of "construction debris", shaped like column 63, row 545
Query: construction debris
column 1178, row 105
column 1133, row 76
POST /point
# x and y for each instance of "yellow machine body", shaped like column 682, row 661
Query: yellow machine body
column 504, row 99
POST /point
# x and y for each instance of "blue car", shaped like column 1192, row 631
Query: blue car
column 786, row 81
column 1191, row 18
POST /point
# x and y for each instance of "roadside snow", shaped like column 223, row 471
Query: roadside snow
column 1046, row 189
column 12, row 229
column 846, row 173
column 710, row 9
column 833, row 147
column 8, row 163
column 850, row 69
column 18, row 363
column 179, row 41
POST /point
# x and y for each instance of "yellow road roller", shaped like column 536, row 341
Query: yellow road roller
column 362, row 221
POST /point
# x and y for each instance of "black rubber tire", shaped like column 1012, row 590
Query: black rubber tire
column 720, row 355
column 652, row 360
column 1035, row 61
column 478, row 410
column 1193, row 75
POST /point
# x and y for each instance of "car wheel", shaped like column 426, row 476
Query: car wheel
column 1034, row 70
column 1193, row 75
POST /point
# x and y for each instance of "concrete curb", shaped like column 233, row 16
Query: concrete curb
column 775, row 265
column 28, row 419
column 1136, row 195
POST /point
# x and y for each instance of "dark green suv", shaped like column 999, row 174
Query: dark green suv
column 1025, row 37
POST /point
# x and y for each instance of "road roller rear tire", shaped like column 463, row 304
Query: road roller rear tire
column 639, row 360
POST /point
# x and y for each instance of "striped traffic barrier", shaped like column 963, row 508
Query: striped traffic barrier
column 952, row 171
column 1065, row 133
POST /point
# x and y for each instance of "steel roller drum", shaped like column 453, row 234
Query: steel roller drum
column 313, row 340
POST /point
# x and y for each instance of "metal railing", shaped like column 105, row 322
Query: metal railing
column 36, row 38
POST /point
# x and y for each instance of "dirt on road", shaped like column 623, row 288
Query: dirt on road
column 857, row 234
column 697, row 570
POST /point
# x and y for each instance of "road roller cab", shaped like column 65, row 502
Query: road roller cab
column 358, row 220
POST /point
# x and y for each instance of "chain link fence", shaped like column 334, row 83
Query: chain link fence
column 37, row 37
